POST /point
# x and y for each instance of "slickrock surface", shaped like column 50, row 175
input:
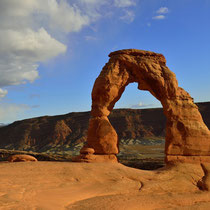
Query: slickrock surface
column 186, row 133
column 62, row 185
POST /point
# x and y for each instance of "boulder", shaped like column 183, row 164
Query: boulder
column 21, row 158
column 86, row 150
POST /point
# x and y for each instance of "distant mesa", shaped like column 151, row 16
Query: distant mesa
column 67, row 133
column 187, row 137
column 2, row 125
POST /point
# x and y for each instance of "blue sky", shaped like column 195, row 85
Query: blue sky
column 52, row 51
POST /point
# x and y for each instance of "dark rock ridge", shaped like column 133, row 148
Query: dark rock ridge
column 70, row 130
column 2, row 125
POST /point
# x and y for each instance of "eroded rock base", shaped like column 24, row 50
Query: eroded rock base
column 91, row 158
column 187, row 159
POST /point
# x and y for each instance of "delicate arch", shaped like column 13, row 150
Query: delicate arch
column 186, row 133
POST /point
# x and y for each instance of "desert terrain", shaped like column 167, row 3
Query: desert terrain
column 104, row 105
column 67, row 185
column 140, row 180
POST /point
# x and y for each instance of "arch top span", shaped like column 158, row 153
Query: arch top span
column 146, row 68
column 186, row 133
column 142, row 53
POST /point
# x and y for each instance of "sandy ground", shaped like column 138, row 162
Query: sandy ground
column 98, row 186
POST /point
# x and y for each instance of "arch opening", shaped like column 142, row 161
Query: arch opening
column 132, row 98
column 140, row 124
column 184, row 124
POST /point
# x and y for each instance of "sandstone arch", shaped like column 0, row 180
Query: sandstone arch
column 186, row 134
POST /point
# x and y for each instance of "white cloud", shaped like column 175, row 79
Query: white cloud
column 50, row 14
column 28, row 31
column 142, row 105
column 11, row 112
column 3, row 93
column 124, row 3
column 31, row 32
column 162, row 10
column 159, row 17
column 25, row 42
column 35, row 46
column 128, row 16
column 64, row 16
column 21, row 51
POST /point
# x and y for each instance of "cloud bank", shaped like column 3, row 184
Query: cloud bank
column 29, row 32
column 33, row 31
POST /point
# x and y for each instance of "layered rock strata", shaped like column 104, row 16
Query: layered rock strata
column 186, row 133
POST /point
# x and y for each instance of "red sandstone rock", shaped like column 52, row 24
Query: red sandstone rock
column 186, row 133
column 187, row 159
column 21, row 158
column 85, row 150
column 101, row 131
column 91, row 158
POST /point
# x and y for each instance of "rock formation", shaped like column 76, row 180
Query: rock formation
column 21, row 158
column 187, row 137
column 40, row 134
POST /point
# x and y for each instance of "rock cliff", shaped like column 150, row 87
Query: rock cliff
column 70, row 131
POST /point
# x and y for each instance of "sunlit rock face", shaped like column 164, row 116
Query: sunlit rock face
column 21, row 158
column 186, row 133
